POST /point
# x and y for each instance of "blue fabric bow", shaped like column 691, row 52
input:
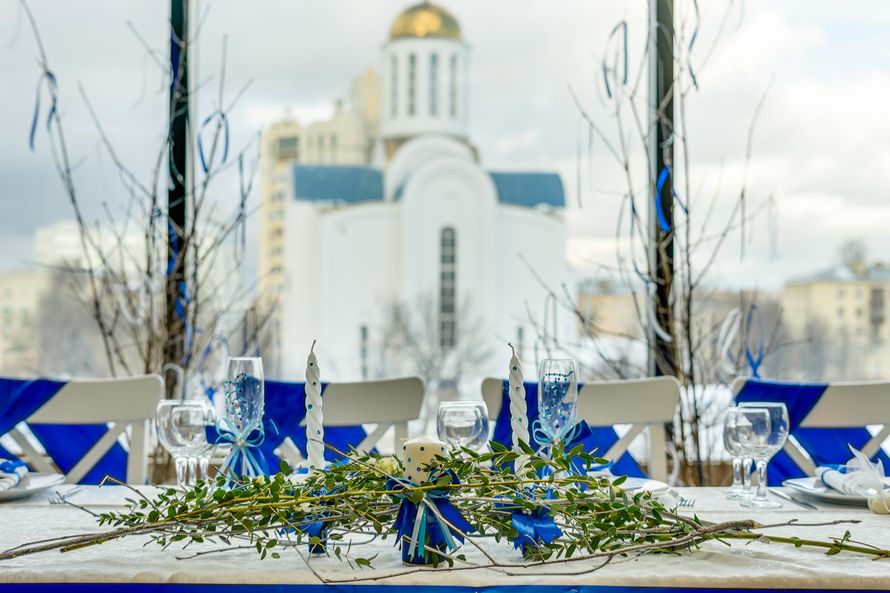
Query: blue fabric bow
column 533, row 528
column 599, row 438
column 245, row 459
column 825, row 445
column 422, row 523
column 9, row 466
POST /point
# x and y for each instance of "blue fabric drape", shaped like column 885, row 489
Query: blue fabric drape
column 285, row 408
column 825, row 445
column 65, row 444
column 599, row 438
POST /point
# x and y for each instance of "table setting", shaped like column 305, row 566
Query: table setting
column 452, row 509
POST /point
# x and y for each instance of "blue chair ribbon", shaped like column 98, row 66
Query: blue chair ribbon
column 422, row 523
column 9, row 466
column 65, row 444
column 594, row 438
column 825, row 445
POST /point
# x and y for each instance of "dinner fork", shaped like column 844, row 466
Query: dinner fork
column 59, row 498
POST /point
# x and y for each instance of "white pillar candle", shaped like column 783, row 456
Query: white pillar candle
column 418, row 452
column 518, row 407
column 314, row 412
column 518, row 410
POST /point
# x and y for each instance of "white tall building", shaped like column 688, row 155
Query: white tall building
column 431, row 225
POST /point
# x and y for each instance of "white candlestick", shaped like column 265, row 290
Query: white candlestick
column 418, row 452
column 314, row 413
column 518, row 407
column 518, row 410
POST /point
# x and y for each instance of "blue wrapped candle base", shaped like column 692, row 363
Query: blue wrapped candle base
column 428, row 556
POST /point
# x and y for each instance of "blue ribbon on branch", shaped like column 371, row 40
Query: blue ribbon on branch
column 431, row 524
column 52, row 87
column 663, row 176
column 754, row 361
column 533, row 527
column 224, row 123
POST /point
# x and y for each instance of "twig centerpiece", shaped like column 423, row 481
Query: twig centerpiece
column 361, row 500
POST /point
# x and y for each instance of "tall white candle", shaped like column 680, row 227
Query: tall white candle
column 518, row 407
column 314, row 412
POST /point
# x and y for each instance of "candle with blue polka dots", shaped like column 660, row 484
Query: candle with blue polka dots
column 314, row 413
column 518, row 410
column 417, row 453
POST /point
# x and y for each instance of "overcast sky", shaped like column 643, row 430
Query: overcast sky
column 821, row 145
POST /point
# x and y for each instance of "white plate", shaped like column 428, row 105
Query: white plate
column 814, row 488
column 32, row 484
column 654, row 487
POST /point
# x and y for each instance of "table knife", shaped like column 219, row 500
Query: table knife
column 789, row 498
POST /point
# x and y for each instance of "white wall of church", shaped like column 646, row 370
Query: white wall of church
column 538, row 237
column 344, row 274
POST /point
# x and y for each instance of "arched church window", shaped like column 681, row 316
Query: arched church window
column 452, row 86
column 394, row 86
column 434, row 86
column 412, row 82
column 448, row 288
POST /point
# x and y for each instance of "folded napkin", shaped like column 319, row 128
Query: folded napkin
column 12, row 472
column 859, row 477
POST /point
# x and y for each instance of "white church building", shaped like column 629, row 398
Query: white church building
column 423, row 224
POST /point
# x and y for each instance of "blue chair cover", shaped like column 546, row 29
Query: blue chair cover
column 285, row 408
column 65, row 444
column 824, row 445
column 599, row 438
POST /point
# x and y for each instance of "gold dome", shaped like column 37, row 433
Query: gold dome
column 425, row 20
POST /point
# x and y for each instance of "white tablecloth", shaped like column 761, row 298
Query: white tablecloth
column 755, row 565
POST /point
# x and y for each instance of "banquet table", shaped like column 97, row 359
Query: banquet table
column 130, row 565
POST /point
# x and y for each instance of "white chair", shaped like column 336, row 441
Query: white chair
column 643, row 403
column 391, row 403
column 842, row 405
column 121, row 403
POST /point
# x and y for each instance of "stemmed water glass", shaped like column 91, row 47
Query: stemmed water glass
column 741, row 478
column 765, row 437
column 182, row 431
column 463, row 424
column 557, row 399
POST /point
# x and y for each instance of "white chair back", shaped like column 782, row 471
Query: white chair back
column 842, row 405
column 121, row 403
column 643, row 403
column 390, row 403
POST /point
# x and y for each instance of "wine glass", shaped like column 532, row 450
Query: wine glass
column 244, row 395
column 463, row 424
column 557, row 398
column 741, row 479
column 763, row 440
column 199, row 461
column 181, row 427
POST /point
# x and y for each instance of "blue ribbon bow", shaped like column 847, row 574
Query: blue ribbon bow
column 251, row 463
column 9, row 466
column 433, row 523
column 533, row 528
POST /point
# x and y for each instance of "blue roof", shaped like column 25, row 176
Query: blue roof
column 337, row 183
column 529, row 189
column 354, row 184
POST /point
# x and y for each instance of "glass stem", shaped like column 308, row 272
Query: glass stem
column 761, row 479
column 204, row 467
column 181, row 471
column 193, row 471
column 736, row 473
column 746, row 473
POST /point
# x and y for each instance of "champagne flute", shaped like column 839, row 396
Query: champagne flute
column 463, row 424
column 557, row 398
column 765, row 439
column 244, row 394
